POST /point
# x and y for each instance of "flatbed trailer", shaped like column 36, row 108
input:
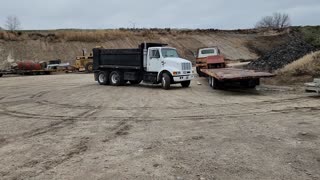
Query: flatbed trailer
column 5, row 72
column 34, row 72
column 26, row 72
column 219, row 77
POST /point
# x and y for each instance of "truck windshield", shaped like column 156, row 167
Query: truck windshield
column 166, row 52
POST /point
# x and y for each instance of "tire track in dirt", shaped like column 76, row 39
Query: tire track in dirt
column 142, row 115
column 52, row 127
column 40, row 166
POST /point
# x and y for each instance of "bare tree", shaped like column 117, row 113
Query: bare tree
column 13, row 23
column 277, row 21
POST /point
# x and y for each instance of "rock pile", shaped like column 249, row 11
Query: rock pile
column 282, row 55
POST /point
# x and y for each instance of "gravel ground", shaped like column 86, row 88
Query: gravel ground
column 68, row 127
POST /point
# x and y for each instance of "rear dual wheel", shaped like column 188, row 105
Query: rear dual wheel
column 116, row 78
column 103, row 78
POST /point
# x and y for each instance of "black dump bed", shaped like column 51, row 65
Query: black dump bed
column 121, row 58
column 117, row 58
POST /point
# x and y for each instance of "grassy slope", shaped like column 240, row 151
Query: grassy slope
column 311, row 34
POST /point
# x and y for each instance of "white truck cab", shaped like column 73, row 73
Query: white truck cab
column 162, row 60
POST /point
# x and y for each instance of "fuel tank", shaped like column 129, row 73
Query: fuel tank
column 29, row 65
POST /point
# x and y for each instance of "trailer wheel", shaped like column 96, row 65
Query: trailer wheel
column 89, row 67
column 1, row 75
column 103, row 78
column 210, row 81
column 185, row 84
column 200, row 73
column 214, row 83
column 251, row 84
column 165, row 81
column 116, row 78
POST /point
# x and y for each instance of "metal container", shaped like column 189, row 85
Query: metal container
column 28, row 65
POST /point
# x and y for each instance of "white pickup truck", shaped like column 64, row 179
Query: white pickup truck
column 313, row 86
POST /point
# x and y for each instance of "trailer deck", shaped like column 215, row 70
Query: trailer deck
column 223, row 74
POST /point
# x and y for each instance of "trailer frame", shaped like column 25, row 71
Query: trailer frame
column 219, row 77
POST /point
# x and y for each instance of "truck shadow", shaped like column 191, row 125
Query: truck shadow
column 237, row 91
column 155, row 86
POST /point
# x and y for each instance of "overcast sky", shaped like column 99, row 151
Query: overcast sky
column 105, row 14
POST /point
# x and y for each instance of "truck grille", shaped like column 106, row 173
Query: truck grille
column 186, row 66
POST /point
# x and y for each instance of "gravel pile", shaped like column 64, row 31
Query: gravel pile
column 282, row 55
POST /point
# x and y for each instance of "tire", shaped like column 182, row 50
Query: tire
column 89, row 67
column 185, row 84
column 1, row 75
column 103, row 78
column 116, row 78
column 250, row 84
column 135, row 82
column 199, row 72
column 165, row 81
column 210, row 81
column 215, row 84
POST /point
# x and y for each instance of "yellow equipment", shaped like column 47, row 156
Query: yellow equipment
column 84, row 63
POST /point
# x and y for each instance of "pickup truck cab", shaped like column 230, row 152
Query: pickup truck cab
column 207, row 58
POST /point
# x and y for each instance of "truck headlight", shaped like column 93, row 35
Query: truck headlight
column 176, row 72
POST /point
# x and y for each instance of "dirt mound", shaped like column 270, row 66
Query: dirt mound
column 66, row 45
column 300, row 71
column 282, row 55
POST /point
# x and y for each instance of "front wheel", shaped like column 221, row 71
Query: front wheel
column 89, row 67
column 165, row 81
column 185, row 84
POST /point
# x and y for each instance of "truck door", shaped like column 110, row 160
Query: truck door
column 154, row 60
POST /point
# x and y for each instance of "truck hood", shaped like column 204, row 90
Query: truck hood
column 176, row 60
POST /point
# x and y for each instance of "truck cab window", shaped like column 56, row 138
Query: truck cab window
column 155, row 54
column 166, row 52
column 208, row 51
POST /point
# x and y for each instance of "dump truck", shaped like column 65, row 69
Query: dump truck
column 84, row 63
column 313, row 87
column 152, row 63
column 211, row 63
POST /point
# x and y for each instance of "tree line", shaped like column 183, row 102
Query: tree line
column 276, row 21
column 12, row 24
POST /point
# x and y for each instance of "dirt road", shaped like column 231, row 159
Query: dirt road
column 68, row 127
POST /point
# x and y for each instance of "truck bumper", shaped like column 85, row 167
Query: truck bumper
column 183, row 78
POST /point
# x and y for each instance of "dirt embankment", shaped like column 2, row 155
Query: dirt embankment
column 65, row 45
